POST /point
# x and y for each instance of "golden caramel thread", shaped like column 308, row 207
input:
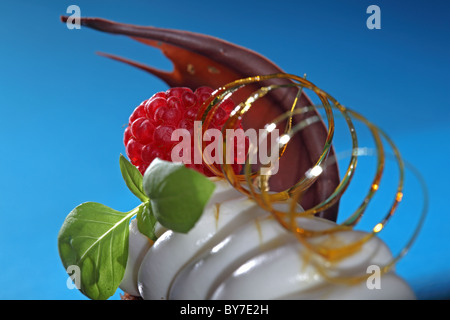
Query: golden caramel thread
column 216, row 214
column 256, row 185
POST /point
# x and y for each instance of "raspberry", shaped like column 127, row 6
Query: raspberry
column 150, row 126
column 142, row 129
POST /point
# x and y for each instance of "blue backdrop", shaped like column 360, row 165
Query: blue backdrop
column 63, row 108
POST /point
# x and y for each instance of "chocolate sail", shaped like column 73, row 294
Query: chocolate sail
column 201, row 60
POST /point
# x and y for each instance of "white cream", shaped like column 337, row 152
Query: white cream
column 138, row 246
column 238, row 251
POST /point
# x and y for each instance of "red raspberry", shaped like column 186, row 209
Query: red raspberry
column 150, row 126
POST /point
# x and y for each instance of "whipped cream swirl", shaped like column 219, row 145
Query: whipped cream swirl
column 237, row 251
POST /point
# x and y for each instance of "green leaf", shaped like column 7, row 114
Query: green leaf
column 146, row 222
column 133, row 178
column 177, row 194
column 94, row 237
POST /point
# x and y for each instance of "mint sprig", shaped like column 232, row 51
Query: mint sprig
column 177, row 194
column 133, row 178
column 146, row 222
column 94, row 237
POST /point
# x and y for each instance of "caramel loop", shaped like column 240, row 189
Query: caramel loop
column 255, row 183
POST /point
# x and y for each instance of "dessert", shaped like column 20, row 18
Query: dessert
column 246, row 231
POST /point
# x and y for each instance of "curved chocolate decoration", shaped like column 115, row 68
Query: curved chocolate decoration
column 201, row 60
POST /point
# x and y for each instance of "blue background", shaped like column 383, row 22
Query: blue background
column 63, row 108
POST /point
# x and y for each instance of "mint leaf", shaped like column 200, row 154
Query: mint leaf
column 146, row 222
column 177, row 194
column 133, row 178
column 94, row 237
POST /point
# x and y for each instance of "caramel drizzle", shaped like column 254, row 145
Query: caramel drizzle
column 247, row 183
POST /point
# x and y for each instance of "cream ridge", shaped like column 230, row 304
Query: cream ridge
column 238, row 251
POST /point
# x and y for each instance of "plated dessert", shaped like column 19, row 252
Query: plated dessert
column 239, row 188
